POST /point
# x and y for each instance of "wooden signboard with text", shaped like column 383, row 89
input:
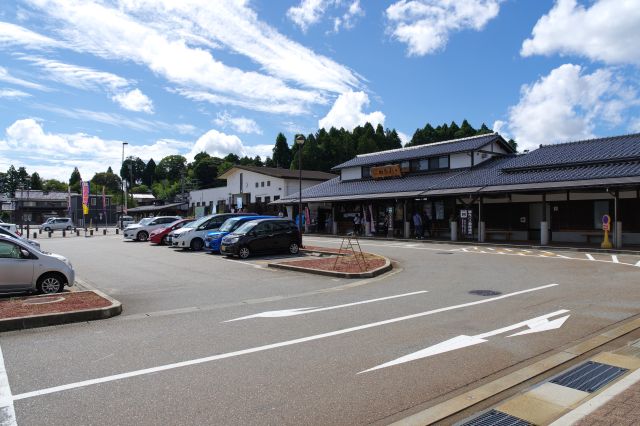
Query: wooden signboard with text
column 381, row 172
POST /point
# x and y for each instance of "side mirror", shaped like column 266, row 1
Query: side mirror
column 25, row 254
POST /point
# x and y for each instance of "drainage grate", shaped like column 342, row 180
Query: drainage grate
column 485, row 292
column 589, row 377
column 496, row 418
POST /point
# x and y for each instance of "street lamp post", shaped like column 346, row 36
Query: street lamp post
column 123, row 205
column 300, row 141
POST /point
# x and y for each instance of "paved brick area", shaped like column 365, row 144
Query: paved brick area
column 623, row 410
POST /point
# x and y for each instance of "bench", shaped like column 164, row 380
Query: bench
column 587, row 233
column 505, row 232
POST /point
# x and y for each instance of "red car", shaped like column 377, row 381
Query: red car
column 159, row 236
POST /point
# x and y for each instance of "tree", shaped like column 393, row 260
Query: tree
column 149, row 173
column 132, row 170
column 140, row 189
column 206, row 171
column 54, row 185
column 171, row 168
column 36, row 182
column 12, row 180
column 281, row 152
column 110, row 181
column 513, row 144
column 75, row 178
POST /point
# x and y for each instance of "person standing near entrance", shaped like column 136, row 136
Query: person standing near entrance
column 417, row 224
column 357, row 224
column 427, row 224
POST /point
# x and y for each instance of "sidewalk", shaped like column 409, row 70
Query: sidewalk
column 617, row 405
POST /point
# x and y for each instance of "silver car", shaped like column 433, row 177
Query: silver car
column 23, row 268
column 54, row 223
column 19, row 237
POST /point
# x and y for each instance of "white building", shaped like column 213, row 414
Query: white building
column 254, row 188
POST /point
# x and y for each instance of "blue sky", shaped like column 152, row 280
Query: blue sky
column 77, row 78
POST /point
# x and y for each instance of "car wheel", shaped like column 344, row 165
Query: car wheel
column 50, row 284
column 163, row 241
column 142, row 236
column 197, row 244
column 244, row 252
column 294, row 248
column 47, row 229
column 68, row 228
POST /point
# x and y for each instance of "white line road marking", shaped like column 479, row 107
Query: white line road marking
column 589, row 256
column 534, row 325
column 302, row 311
column 7, row 412
column 196, row 361
column 614, row 258
column 638, row 264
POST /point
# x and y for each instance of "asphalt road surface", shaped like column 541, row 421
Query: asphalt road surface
column 338, row 351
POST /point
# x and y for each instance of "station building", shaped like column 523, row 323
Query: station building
column 479, row 189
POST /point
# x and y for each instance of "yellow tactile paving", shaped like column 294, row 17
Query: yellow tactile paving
column 531, row 409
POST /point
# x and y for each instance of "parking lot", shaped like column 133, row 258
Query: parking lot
column 204, row 339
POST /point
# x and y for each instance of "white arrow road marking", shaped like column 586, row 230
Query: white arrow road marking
column 7, row 412
column 638, row 264
column 302, row 311
column 534, row 325
column 211, row 358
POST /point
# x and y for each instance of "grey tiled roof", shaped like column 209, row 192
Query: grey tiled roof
column 588, row 151
column 584, row 161
column 421, row 151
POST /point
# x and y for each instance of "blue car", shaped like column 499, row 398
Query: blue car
column 213, row 239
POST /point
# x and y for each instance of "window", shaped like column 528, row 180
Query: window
column 256, row 184
column 267, row 199
column 405, row 167
column 258, row 199
column 93, row 201
column 268, row 183
column 366, row 172
column 264, row 228
column 444, row 162
column 276, row 197
column 9, row 251
column 262, row 184
column 419, row 165
column 107, row 201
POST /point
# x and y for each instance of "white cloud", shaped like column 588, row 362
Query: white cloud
column 8, row 78
column 425, row 25
column 567, row 105
column 54, row 155
column 90, row 79
column 134, row 100
column 149, row 33
column 607, row 30
column 310, row 12
column 220, row 144
column 404, row 138
column 239, row 124
column 307, row 13
column 77, row 76
column 11, row 34
column 347, row 112
column 13, row 94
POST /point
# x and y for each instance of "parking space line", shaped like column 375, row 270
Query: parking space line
column 638, row 264
column 106, row 379
column 7, row 411
column 589, row 256
column 614, row 258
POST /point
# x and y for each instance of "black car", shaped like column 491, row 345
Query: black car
column 262, row 236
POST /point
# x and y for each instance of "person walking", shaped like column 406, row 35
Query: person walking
column 417, row 224
column 357, row 221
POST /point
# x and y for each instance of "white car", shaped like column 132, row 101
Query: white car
column 8, row 233
column 126, row 221
column 54, row 223
column 192, row 235
column 141, row 230
column 23, row 268
column 9, row 226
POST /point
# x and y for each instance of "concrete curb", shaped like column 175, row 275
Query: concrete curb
column 45, row 320
column 370, row 274
column 493, row 244
column 442, row 411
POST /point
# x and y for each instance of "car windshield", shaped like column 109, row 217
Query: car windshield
column 198, row 222
column 231, row 224
column 145, row 221
column 246, row 227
